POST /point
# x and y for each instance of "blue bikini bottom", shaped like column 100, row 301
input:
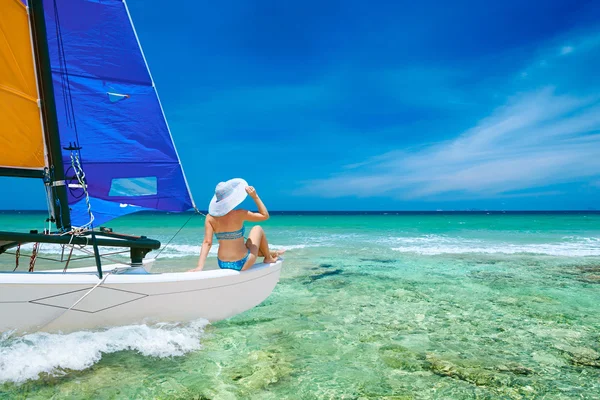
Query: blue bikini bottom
column 236, row 265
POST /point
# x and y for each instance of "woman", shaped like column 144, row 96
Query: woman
column 228, row 226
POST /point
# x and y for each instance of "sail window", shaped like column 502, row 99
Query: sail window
column 130, row 187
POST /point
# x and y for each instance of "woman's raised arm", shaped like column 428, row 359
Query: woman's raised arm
column 262, row 214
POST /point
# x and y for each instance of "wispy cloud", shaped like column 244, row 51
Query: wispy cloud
column 536, row 140
column 544, row 135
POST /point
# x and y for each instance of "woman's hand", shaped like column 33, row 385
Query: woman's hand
column 251, row 192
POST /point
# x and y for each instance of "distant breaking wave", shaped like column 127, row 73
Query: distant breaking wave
column 432, row 244
column 436, row 244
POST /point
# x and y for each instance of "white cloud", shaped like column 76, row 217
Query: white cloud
column 535, row 140
column 566, row 50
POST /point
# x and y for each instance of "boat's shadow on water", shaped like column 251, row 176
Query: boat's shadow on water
column 328, row 270
column 324, row 274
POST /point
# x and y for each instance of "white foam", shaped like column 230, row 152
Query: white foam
column 56, row 249
column 573, row 246
column 26, row 357
column 289, row 247
column 183, row 250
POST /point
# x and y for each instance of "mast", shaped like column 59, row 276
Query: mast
column 56, row 173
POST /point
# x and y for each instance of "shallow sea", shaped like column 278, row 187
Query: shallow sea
column 430, row 306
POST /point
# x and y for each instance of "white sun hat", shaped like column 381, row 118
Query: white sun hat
column 228, row 195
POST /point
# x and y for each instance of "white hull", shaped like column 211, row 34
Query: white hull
column 40, row 301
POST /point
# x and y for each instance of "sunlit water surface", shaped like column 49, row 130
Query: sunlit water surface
column 368, row 307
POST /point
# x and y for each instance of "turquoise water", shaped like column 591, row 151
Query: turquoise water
column 368, row 307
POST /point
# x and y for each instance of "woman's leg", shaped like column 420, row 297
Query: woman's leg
column 263, row 250
column 259, row 246
column 252, row 243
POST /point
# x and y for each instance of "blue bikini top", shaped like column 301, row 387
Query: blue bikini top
column 231, row 235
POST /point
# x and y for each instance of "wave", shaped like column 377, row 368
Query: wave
column 431, row 244
column 435, row 244
column 28, row 357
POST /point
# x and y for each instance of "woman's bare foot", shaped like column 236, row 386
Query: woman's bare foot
column 274, row 256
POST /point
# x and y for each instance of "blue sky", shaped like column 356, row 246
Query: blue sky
column 353, row 105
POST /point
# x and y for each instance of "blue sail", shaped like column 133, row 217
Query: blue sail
column 109, row 114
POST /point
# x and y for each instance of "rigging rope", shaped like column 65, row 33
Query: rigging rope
column 76, row 164
column 61, row 62
column 68, row 259
column 64, row 74
column 74, row 304
column 17, row 254
column 196, row 212
column 33, row 258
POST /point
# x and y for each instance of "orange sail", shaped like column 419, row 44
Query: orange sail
column 21, row 136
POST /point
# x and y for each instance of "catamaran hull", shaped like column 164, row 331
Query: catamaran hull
column 31, row 302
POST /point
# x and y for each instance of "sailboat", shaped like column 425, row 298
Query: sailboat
column 79, row 112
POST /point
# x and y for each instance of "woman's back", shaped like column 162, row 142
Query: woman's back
column 229, row 230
